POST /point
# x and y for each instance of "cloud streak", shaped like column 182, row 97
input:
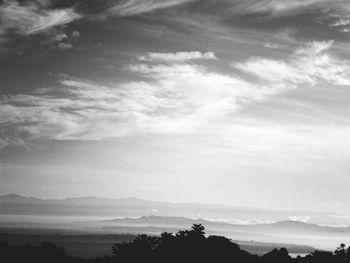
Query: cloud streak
column 278, row 7
column 175, row 97
column 135, row 7
column 178, row 56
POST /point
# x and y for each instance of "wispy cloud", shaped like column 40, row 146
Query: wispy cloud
column 175, row 97
column 32, row 17
column 271, row 45
column 178, row 56
column 315, row 48
column 307, row 65
column 279, row 7
column 134, row 7
column 304, row 219
column 64, row 46
column 340, row 22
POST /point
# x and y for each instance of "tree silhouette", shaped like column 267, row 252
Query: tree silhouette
column 277, row 256
column 198, row 230
column 186, row 246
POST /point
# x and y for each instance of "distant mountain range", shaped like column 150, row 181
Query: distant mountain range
column 132, row 207
column 135, row 216
column 158, row 224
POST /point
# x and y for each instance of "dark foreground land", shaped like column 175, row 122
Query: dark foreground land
column 184, row 246
column 93, row 245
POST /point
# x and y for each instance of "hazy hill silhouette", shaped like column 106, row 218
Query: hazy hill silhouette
column 133, row 207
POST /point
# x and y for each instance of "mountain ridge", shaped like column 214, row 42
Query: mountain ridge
column 153, row 219
column 14, row 204
column 81, row 198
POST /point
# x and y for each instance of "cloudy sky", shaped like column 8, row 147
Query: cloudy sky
column 241, row 102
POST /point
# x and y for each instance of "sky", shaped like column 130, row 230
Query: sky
column 239, row 102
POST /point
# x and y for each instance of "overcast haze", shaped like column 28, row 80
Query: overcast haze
column 240, row 102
